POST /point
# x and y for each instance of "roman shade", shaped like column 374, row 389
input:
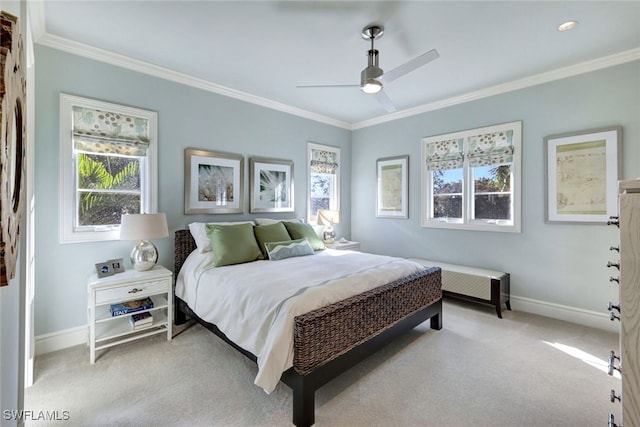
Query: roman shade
column 323, row 161
column 488, row 149
column 446, row 154
column 105, row 132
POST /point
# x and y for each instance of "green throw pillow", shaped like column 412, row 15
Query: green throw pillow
column 270, row 233
column 288, row 249
column 300, row 230
column 233, row 244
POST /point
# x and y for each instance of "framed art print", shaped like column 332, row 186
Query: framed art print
column 582, row 172
column 392, row 199
column 214, row 182
column 271, row 185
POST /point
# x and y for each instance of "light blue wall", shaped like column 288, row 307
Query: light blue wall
column 558, row 264
column 551, row 263
column 188, row 117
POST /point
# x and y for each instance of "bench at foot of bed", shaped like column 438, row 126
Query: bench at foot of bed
column 473, row 284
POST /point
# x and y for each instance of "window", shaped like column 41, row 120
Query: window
column 471, row 179
column 108, row 167
column 324, row 179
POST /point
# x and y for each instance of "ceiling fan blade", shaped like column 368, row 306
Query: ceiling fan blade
column 385, row 101
column 312, row 86
column 409, row 66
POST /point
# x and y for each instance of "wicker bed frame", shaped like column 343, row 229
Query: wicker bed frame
column 332, row 339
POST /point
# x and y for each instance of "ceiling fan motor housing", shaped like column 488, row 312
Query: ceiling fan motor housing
column 370, row 73
column 369, row 82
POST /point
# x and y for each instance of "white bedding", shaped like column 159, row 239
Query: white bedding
column 254, row 304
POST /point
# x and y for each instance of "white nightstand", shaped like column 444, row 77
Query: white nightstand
column 352, row 246
column 106, row 330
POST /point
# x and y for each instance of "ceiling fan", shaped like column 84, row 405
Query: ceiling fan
column 373, row 79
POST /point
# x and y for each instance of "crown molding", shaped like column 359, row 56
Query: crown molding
column 102, row 55
column 549, row 76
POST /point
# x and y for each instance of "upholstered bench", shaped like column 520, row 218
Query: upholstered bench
column 473, row 284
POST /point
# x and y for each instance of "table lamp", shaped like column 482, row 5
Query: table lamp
column 143, row 227
column 329, row 218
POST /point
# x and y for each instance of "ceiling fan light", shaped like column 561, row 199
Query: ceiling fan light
column 566, row 26
column 369, row 82
column 371, row 86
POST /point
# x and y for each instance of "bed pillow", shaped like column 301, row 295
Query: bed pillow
column 268, row 221
column 233, row 244
column 275, row 232
column 199, row 233
column 301, row 230
column 288, row 249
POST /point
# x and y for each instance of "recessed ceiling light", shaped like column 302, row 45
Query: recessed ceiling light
column 566, row 26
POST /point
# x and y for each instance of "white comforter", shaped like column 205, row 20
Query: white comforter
column 254, row 303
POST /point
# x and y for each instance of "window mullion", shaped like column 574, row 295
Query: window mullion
column 431, row 196
column 467, row 188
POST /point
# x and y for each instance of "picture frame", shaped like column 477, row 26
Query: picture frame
column 104, row 269
column 392, row 196
column 117, row 265
column 271, row 185
column 214, row 182
column 581, row 172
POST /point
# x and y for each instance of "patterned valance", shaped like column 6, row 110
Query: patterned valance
column 491, row 149
column 323, row 161
column 99, row 131
column 446, row 154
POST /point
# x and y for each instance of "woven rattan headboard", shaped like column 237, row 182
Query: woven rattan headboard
column 184, row 245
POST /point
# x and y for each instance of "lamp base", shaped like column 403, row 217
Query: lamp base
column 144, row 256
column 329, row 236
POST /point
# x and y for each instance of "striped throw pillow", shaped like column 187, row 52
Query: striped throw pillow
column 288, row 249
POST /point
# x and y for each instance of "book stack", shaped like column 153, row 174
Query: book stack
column 131, row 306
column 141, row 320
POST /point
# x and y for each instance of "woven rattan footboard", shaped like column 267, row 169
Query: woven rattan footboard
column 331, row 339
column 328, row 332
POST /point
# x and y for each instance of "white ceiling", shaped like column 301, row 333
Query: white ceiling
column 265, row 49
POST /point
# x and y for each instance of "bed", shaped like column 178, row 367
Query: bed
column 327, row 340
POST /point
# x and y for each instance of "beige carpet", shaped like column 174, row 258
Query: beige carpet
column 523, row 370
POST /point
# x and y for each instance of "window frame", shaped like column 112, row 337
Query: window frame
column 313, row 146
column 467, row 222
column 68, row 185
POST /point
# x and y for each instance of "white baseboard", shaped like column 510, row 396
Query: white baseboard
column 54, row 341
column 598, row 320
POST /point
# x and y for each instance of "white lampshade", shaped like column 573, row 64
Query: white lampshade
column 142, row 227
column 328, row 217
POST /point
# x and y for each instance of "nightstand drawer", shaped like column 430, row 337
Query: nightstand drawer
column 131, row 291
